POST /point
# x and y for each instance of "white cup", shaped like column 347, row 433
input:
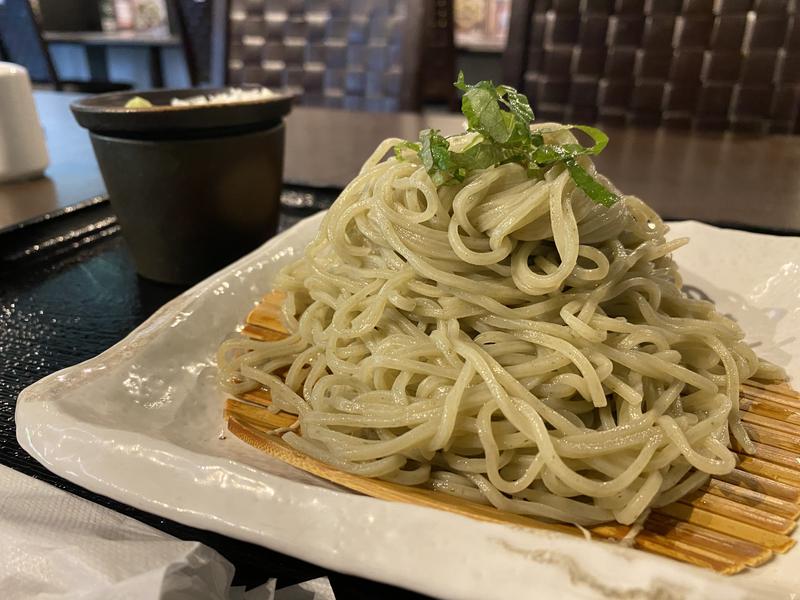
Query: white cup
column 23, row 154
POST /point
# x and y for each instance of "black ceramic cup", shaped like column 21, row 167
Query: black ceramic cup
column 193, row 187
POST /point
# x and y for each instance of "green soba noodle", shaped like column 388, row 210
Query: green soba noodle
column 504, row 339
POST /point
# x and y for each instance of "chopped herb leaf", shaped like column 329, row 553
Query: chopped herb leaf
column 437, row 158
column 591, row 187
column 482, row 105
column 501, row 117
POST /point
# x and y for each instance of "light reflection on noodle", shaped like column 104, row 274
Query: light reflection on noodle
column 506, row 340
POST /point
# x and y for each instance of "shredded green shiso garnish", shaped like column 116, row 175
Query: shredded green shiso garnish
column 501, row 117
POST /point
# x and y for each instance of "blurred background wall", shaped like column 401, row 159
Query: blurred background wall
column 480, row 28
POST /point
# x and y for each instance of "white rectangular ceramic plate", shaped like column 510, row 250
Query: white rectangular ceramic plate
column 142, row 423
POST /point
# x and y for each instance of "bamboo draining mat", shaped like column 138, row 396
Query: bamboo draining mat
column 735, row 521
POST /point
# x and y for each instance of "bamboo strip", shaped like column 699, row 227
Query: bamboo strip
column 779, row 456
column 770, row 437
column 259, row 333
column 771, row 424
column 686, row 552
column 259, row 415
column 789, row 402
column 770, row 408
column 266, row 321
column 741, row 512
column 779, row 389
column 747, row 497
column 259, row 396
column 698, row 516
column 745, row 551
column 272, row 303
column 257, row 427
column 763, row 485
column 769, row 470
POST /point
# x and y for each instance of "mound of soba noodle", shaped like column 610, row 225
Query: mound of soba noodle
column 504, row 339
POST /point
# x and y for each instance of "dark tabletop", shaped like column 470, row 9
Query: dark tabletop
column 72, row 176
column 68, row 289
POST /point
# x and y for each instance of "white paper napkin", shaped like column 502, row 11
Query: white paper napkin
column 316, row 589
column 60, row 547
